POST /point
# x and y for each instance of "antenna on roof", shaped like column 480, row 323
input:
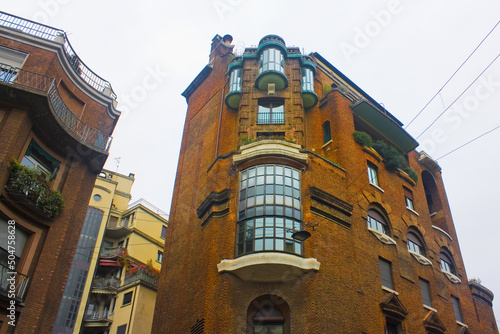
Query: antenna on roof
column 118, row 163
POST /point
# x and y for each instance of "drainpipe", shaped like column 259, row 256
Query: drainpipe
column 220, row 120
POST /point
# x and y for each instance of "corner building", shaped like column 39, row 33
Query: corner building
column 301, row 206
column 56, row 119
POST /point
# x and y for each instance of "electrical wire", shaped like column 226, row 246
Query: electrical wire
column 439, row 91
column 459, row 96
column 470, row 141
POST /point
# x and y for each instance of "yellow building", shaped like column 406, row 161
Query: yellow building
column 120, row 286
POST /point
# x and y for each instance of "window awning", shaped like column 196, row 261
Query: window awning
column 109, row 263
column 385, row 125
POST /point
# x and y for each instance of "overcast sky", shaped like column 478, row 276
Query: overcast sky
column 401, row 52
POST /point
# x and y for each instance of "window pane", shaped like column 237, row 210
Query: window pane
column 386, row 273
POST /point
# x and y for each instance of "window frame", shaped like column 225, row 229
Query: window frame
column 159, row 256
column 425, row 292
column 268, row 115
column 268, row 61
column 125, row 297
column 379, row 222
column 446, row 263
column 269, row 210
column 457, row 308
column 415, row 244
column 163, row 233
column 327, row 132
column 373, row 174
column 386, row 276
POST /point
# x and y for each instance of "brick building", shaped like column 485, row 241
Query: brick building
column 301, row 206
column 56, row 118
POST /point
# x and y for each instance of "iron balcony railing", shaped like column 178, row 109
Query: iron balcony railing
column 51, row 34
column 98, row 315
column 106, row 283
column 69, row 120
column 141, row 276
column 113, row 252
column 9, row 280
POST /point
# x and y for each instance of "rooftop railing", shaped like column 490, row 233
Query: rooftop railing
column 46, row 84
column 52, row 34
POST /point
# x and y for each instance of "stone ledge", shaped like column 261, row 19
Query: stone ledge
column 268, row 267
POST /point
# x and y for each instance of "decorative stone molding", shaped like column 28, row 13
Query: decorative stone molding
column 433, row 324
column 268, row 267
column 270, row 147
column 215, row 205
column 454, row 279
column 393, row 308
column 420, row 258
column 330, row 207
column 384, row 238
column 371, row 151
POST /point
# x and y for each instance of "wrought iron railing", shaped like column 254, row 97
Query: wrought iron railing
column 69, row 120
column 105, row 283
column 97, row 315
column 113, row 252
column 141, row 276
column 9, row 279
column 51, row 34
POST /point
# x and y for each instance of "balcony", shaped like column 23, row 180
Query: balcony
column 115, row 252
column 143, row 277
column 97, row 319
column 78, row 129
column 108, row 285
column 48, row 33
column 32, row 188
column 13, row 282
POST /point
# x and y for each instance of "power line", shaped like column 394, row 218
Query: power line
column 459, row 96
column 470, row 141
column 439, row 91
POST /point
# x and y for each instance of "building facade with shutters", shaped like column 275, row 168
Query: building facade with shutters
column 56, row 119
column 302, row 206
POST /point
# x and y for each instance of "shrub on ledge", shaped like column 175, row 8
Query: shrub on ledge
column 35, row 187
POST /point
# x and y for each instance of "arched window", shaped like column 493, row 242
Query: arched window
column 327, row 134
column 268, row 314
column 415, row 244
column 447, row 263
column 377, row 222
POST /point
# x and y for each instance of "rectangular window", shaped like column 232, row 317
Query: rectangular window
column 408, row 198
column 425, row 290
column 327, row 133
column 163, row 234
column 122, row 329
column 386, row 273
column 112, row 308
column 37, row 158
column 456, row 308
column 159, row 256
column 271, row 112
column 372, row 174
column 127, row 298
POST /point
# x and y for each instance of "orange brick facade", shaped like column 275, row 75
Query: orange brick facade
column 346, row 293
column 29, row 116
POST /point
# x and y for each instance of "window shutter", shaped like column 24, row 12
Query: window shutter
column 386, row 273
column 426, row 292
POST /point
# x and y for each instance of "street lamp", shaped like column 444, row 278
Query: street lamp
column 302, row 235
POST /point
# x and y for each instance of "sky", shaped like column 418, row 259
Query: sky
column 400, row 52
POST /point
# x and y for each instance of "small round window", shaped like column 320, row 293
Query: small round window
column 97, row 197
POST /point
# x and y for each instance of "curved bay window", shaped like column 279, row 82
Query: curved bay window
column 233, row 98
column 269, row 210
column 271, row 59
column 308, row 95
